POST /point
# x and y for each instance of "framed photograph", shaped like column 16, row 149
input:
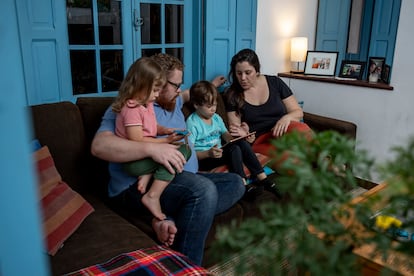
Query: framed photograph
column 320, row 63
column 385, row 77
column 375, row 65
column 352, row 69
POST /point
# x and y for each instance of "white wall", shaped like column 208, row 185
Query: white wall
column 277, row 22
column 384, row 118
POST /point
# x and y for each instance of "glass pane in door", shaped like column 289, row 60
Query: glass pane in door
column 174, row 24
column 112, row 70
column 150, row 52
column 151, row 23
column 83, row 69
column 80, row 24
column 177, row 52
column 109, row 20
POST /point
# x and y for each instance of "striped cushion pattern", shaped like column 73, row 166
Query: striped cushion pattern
column 63, row 210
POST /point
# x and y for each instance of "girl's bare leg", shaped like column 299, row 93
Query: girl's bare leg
column 151, row 199
column 143, row 181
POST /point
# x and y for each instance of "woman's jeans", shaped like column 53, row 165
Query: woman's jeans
column 191, row 201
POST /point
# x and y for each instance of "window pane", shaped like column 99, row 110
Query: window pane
column 109, row 20
column 112, row 70
column 177, row 52
column 83, row 71
column 150, row 52
column 174, row 24
column 80, row 26
column 151, row 26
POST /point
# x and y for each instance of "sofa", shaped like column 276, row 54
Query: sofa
column 67, row 129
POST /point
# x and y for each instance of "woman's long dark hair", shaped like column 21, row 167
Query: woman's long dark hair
column 234, row 94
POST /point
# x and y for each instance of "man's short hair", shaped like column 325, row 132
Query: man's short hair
column 168, row 62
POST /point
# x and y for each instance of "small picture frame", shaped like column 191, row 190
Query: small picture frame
column 320, row 63
column 385, row 77
column 375, row 65
column 352, row 69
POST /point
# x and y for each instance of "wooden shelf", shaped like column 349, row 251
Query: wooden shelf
column 363, row 83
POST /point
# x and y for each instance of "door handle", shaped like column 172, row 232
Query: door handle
column 138, row 21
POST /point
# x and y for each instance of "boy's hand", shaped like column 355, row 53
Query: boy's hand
column 215, row 152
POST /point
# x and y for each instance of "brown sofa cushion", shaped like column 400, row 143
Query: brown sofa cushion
column 60, row 127
column 102, row 235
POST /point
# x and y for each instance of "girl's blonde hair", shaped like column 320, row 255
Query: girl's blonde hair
column 143, row 74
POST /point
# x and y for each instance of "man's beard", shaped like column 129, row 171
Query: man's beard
column 167, row 105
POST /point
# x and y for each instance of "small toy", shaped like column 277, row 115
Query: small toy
column 384, row 222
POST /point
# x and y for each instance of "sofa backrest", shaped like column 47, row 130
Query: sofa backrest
column 322, row 123
column 92, row 109
column 59, row 126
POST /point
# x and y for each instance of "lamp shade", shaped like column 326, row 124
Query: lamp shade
column 298, row 49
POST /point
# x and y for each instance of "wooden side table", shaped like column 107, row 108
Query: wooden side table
column 374, row 263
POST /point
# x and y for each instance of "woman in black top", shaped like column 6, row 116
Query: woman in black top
column 261, row 103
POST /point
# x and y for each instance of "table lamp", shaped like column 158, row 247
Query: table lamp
column 298, row 50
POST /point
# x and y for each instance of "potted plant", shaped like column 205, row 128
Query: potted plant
column 310, row 233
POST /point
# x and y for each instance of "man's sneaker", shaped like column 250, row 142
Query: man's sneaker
column 272, row 187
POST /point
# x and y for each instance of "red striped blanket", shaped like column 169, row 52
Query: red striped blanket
column 154, row 261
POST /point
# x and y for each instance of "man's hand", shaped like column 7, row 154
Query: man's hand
column 169, row 156
column 219, row 81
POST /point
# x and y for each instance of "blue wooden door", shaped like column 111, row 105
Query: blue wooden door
column 43, row 34
column 378, row 29
column 384, row 29
column 21, row 235
column 332, row 27
column 230, row 26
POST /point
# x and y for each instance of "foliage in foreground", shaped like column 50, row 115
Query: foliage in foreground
column 309, row 233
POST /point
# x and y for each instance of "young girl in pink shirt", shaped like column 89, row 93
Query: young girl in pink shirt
column 136, row 121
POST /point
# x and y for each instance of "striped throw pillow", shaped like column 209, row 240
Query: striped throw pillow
column 63, row 210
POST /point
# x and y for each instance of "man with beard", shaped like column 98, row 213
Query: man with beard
column 191, row 200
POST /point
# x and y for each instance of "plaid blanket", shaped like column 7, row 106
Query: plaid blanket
column 154, row 261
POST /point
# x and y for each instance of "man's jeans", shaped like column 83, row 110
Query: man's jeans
column 191, row 201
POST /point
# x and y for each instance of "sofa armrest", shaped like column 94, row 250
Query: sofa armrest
column 321, row 123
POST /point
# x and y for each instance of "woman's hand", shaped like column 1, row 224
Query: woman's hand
column 239, row 130
column 215, row 152
column 281, row 126
column 249, row 138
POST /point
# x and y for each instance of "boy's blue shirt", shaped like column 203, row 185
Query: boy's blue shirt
column 205, row 136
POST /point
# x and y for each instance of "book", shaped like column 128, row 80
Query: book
column 238, row 138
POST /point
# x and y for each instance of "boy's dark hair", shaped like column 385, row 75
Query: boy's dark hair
column 203, row 92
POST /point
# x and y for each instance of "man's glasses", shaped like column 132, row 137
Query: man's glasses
column 176, row 85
